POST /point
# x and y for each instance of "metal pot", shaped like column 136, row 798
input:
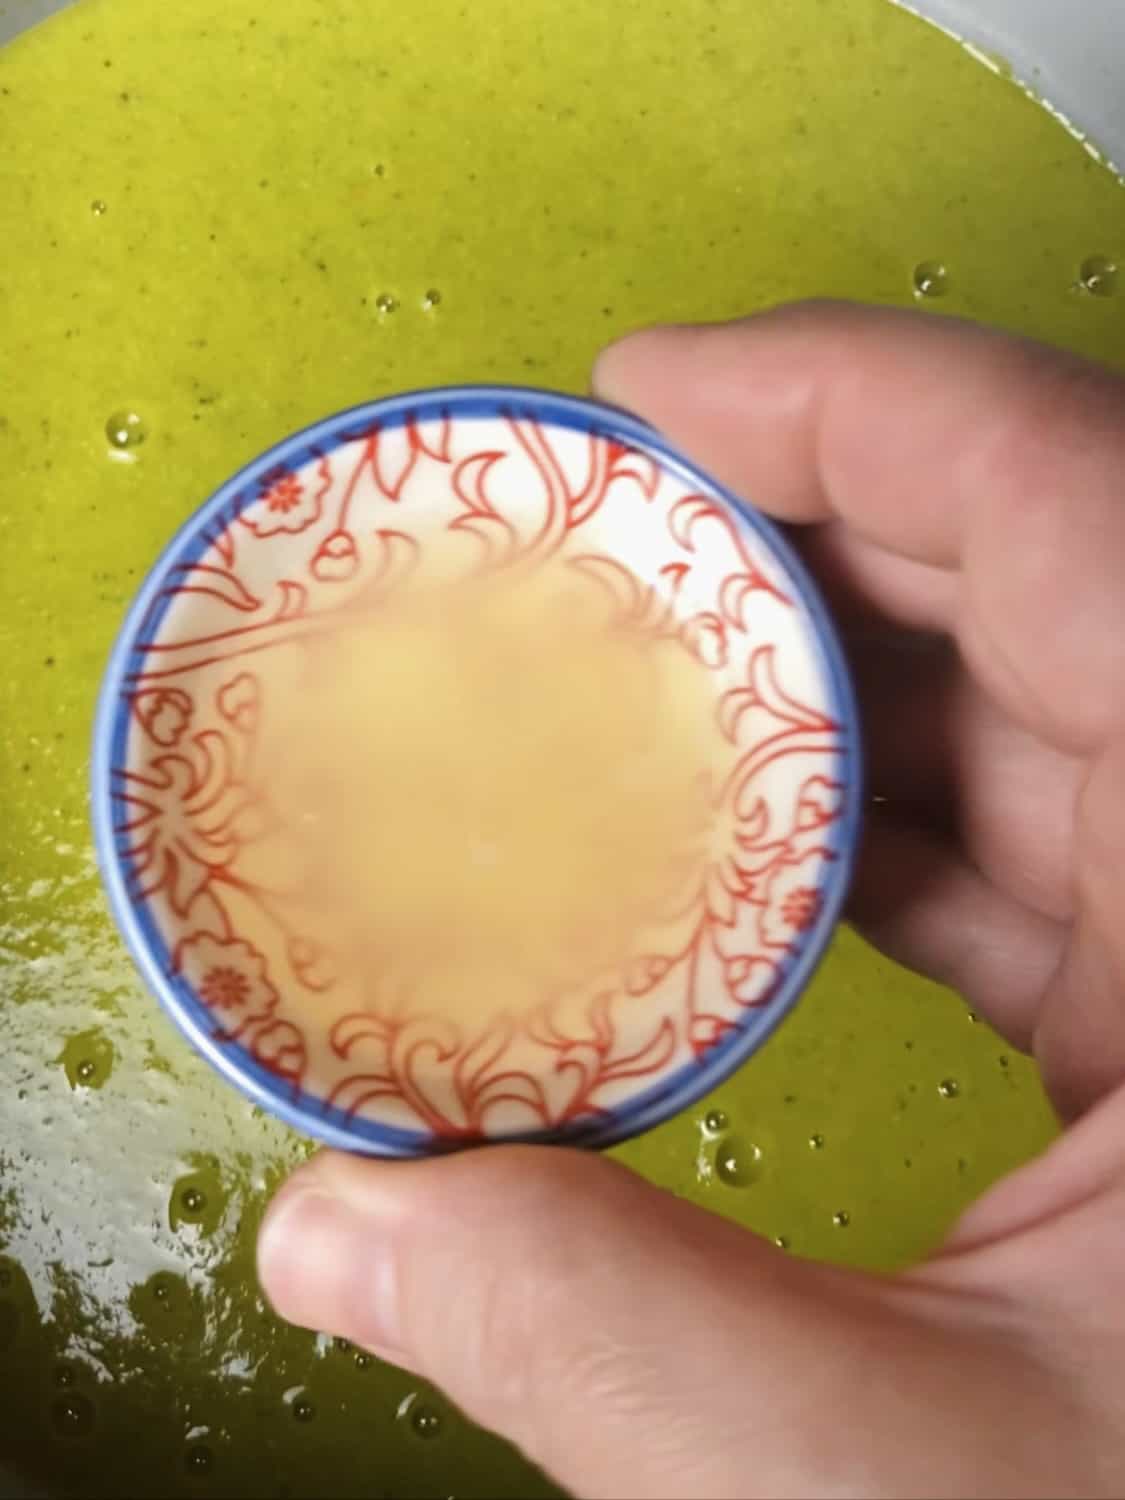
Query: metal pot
column 1068, row 55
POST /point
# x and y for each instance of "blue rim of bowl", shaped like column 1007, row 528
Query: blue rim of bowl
column 305, row 1111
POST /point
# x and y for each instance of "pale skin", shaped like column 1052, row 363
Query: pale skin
column 963, row 499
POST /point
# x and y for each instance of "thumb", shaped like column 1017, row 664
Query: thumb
column 629, row 1343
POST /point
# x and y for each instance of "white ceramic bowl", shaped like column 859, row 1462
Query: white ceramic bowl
column 321, row 531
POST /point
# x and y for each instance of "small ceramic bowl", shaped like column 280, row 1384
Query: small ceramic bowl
column 334, row 517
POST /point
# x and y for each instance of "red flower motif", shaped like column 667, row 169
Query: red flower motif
column 286, row 504
column 225, row 989
column 164, row 714
column 800, row 908
column 229, row 976
column 285, row 495
column 793, row 899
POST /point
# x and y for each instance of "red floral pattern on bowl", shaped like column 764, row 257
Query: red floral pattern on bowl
column 335, row 518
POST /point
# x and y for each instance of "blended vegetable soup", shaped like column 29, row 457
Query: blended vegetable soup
column 223, row 220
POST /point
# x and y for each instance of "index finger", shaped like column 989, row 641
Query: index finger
column 941, row 444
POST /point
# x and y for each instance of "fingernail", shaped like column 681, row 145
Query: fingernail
column 326, row 1263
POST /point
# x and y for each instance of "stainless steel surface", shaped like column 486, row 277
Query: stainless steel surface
column 1070, row 53
column 18, row 15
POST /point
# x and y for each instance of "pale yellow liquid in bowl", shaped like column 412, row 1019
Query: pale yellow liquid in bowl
column 487, row 793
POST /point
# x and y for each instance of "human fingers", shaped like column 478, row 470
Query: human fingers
column 950, row 446
column 636, row 1346
column 1080, row 1033
column 918, row 899
column 942, row 755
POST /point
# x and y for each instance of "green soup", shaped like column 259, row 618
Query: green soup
column 222, row 220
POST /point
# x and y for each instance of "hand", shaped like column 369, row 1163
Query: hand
column 964, row 499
